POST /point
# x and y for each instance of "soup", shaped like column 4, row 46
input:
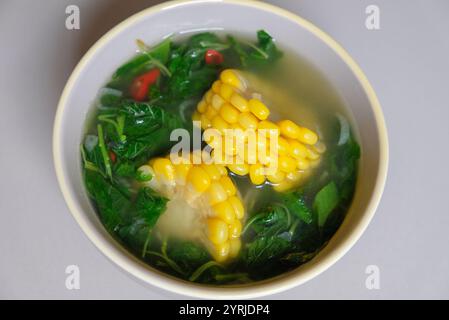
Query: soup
column 220, row 159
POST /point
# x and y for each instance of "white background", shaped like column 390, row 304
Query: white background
column 407, row 62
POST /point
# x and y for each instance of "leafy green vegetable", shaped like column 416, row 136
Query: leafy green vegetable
column 149, row 206
column 295, row 203
column 325, row 201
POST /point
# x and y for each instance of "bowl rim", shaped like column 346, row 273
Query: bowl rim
column 264, row 288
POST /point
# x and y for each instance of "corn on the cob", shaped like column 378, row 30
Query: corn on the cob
column 227, row 105
column 207, row 189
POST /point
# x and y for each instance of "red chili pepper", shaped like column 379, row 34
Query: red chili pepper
column 139, row 87
column 112, row 156
column 213, row 57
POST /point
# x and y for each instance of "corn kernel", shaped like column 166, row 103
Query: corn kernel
column 216, row 193
column 221, row 251
column 235, row 245
column 297, row 149
column 228, row 185
column 276, row 177
column 303, row 164
column 164, row 168
column 284, row 186
column 312, row 155
column 217, row 101
column 205, row 122
column 219, row 123
column 259, row 109
column 222, row 169
column 272, row 128
column 315, row 163
column 208, row 96
column 199, row 179
column 289, row 129
column 210, row 112
column 238, row 206
column 181, row 171
column 226, row 91
column 307, row 136
column 216, row 86
column 202, row 106
column 224, row 211
column 294, row 176
column 217, row 231
column 256, row 174
column 235, row 228
column 239, row 102
column 287, row 164
column 229, row 113
column 283, row 146
column 212, row 171
column 240, row 169
column 230, row 77
column 248, row 120
column 320, row 147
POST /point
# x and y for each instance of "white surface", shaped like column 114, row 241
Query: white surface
column 406, row 61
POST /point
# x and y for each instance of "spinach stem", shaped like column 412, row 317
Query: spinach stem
column 243, row 277
column 198, row 272
column 104, row 152
column 169, row 261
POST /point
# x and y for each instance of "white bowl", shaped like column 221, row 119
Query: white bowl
column 245, row 17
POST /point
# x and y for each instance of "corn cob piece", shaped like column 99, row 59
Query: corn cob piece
column 210, row 193
column 227, row 105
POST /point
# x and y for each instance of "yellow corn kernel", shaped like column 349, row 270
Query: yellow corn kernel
column 164, row 168
column 289, row 129
column 307, row 136
column 297, row 149
column 294, row 176
column 181, row 171
column 212, row 171
column 222, row 169
column 221, row 251
column 312, row 155
column 205, row 122
column 259, row 109
column 217, row 101
column 256, row 174
column 235, row 245
column 208, row 96
column 199, row 179
column 240, row 169
column 216, row 193
column 229, row 146
column 217, row 230
column 248, row 120
column 287, row 164
column 235, row 228
column 265, row 157
column 229, row 113
column 216, row 86
column 210, row 112
column 272, row 128
column 219, row 123
column 303, row 164
column 228, row 185
column 283, row 146
column 202, row 106
column 214, row 138
column 239, row 102
column 226, row 91
column 284, row 186
column 320, row 147
column 224, row 211
column 230, row 77
column 238, row 206
column 276, row 177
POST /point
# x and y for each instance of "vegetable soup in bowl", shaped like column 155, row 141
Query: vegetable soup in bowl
column 220, row 161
